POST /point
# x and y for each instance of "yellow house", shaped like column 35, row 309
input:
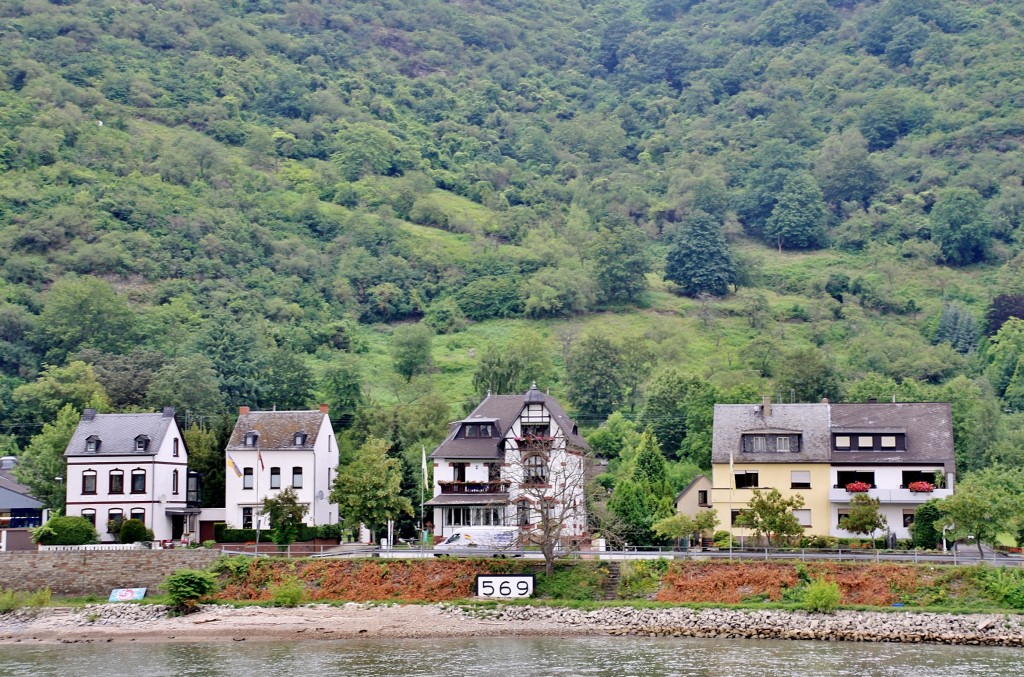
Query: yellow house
column 786, row 447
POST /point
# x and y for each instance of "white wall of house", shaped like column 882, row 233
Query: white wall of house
column 158, row 492
column 318, row 466
column 897, row 502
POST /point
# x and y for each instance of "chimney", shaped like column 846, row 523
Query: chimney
column 766, row 406
column 324, row 408
column 243, row 410
column 824, row 400
column 168, row 412
column 88, row 414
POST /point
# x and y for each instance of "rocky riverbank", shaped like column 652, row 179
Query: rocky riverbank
column 130, row 622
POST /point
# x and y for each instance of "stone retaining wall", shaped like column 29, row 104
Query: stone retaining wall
column 856, row 626
column 94, row 572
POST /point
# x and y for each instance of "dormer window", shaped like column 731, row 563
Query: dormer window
column 141, row 443
column 92, row 444
column 299, row 439
column 250, row 439
column 478, row 430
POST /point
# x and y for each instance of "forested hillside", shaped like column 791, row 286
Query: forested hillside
column 392, row 207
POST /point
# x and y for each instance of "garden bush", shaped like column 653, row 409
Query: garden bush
column 134, row 531
column 822, row 595
column 65, row 531
column 186, row 587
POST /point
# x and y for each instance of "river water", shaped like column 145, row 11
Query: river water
column 516, row 657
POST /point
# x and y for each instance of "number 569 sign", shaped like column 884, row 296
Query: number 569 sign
column 498, row 585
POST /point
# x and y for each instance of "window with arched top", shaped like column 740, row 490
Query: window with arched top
column 535, row 470
column 89, row 482
column 138, row 481
column 116, row 482
column 174, row 482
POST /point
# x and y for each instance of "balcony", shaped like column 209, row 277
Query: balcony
column 839, row 494
column 498, row 487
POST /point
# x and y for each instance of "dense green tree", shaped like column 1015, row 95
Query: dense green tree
column 680, row 526
column 513, row 366
column 125, row 378
column 1002, row 308
column 864, row 516
column 621, row 261
column 1005, row 356
column 368, row 490
column 190, row 385
column 958, row 328
column 340, row 387
column 411, row 347
column 798, row 217
column 286, row 383
column 699, row 261
column 986, row 504
column 845, row 171
column 807, row 375
column 206, row 457
column 711, row 196
column 286, row 515
column 923, row 532
column 613, row 436
column 41, row 465
column 84, row 312
column 960, row 226
column 73, row 385
column 772, row 164
column 594, row 374
column 770, row 515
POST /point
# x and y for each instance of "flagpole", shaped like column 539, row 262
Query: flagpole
column 423, row 484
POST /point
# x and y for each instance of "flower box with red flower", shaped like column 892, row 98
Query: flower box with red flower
column 858, row 487
column 921, row 487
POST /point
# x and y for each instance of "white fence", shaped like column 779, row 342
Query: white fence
column 92, row 546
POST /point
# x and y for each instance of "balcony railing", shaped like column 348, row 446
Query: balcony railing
column 498, row 487
column 886, row 495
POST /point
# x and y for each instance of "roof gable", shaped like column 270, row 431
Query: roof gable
column 117, row 433
column 277, row 429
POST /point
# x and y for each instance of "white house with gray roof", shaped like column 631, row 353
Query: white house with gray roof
column 131, row 466
column 271, row 450
column 512, row 458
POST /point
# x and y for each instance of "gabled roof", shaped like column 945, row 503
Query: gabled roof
column 14, row 495
column 503, row 411
column 117, row 433
column 733, row 421
column 928, row 425
column 276, row 429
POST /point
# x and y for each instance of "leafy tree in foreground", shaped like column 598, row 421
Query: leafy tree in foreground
column 865, row 516
column 699, row 261
column 42, row 462
column 770, row 515
column 986, row 504
column 368, row 490
column 85, row 312
column 285, row 514
column 680, row 526
column 923, row 531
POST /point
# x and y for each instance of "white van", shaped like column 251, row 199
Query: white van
column 482, row 538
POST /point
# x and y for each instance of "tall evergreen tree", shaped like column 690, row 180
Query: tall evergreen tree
column 699, row 261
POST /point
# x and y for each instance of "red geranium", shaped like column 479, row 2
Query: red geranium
column 858, row 487
column 921, row 487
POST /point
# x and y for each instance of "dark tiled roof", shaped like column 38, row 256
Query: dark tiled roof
column 929, row 428
column 505, row 410
column 117, row 433
column 276, row 429
column 14, row 495
column 732, row 421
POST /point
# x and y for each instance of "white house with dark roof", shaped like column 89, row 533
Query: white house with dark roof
column 131, row 466
column 513, row 457
column 272, row 450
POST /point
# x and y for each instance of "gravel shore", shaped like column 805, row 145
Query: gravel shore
column 131, row 623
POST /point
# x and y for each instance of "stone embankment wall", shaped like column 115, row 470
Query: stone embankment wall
column 856, row 626
column 96, row 573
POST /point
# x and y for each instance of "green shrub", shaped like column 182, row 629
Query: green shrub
column 1002, row 584
column 722, row 539
column 209, row 544
column 236, row 568
column 641, row 578
column 65, row 531
column 40, row 597
column 822, row 596
column 9, row 601
column 289, row 592
column 572, row 582
column 186, row 587
column 134, row 531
